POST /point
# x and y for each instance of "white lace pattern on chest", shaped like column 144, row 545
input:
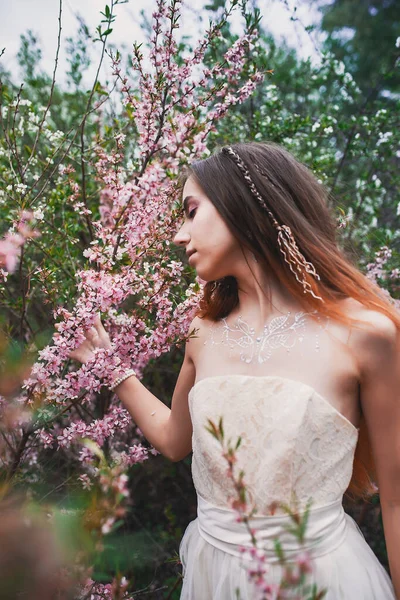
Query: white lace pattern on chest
column 295, row 445
column 281, row 331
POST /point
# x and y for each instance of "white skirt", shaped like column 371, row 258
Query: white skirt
column 342, row 562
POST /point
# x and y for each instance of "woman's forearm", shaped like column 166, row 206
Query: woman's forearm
column 148, row 412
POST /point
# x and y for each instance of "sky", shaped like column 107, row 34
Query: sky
column 42, row 17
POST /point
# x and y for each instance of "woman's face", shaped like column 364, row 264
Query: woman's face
column 216, row 251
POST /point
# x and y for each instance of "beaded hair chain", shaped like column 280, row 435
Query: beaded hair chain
column 287, row 244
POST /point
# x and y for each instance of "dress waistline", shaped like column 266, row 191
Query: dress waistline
column 325, row 530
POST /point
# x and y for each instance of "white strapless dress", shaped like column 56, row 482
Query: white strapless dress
column 295, row 447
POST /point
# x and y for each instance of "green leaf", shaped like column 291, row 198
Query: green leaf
column 278, row 550
column 221, row 428
column 99, row 89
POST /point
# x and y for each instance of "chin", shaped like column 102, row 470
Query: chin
column 208, row 274
column 207, row 277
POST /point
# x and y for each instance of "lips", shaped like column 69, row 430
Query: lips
column 191, row 256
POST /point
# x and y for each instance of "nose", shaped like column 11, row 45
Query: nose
column 182, row 238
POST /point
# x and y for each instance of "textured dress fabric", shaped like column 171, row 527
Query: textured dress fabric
column 296, row 448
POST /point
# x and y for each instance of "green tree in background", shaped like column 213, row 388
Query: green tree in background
column 363, row 35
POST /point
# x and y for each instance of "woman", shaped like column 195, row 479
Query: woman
column 300, row 355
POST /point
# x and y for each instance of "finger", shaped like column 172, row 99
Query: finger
column 103, row 334
column 81, row 354
column 86, row 346
column 86, row 356
column 92, row 335
column 98, row 326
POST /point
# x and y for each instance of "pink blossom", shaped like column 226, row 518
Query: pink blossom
column 46, row 438
column 107, row 525
column 10, row 251
column 303, row 560
column 87, row 484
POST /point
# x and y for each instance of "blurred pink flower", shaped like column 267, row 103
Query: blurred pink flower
column 10, row 251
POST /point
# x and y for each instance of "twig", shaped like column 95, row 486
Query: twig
column 18, row 453
column 35, row 243
column 53, row 82
column 83, row 172
column 21, row 276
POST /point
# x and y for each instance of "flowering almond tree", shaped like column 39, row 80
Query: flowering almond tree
column 128, row 272
column 130, row 254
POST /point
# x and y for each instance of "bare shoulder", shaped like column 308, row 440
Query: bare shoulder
column 373, row 339
column 375, row 326
column 198, row 331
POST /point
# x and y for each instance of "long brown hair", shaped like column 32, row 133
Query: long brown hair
column 297, row 199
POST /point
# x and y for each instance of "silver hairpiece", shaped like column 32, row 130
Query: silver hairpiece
column 287, row 244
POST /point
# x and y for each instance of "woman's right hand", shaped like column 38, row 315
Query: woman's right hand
column 96, row 337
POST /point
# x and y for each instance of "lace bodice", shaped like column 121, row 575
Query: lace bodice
column 295, row 444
